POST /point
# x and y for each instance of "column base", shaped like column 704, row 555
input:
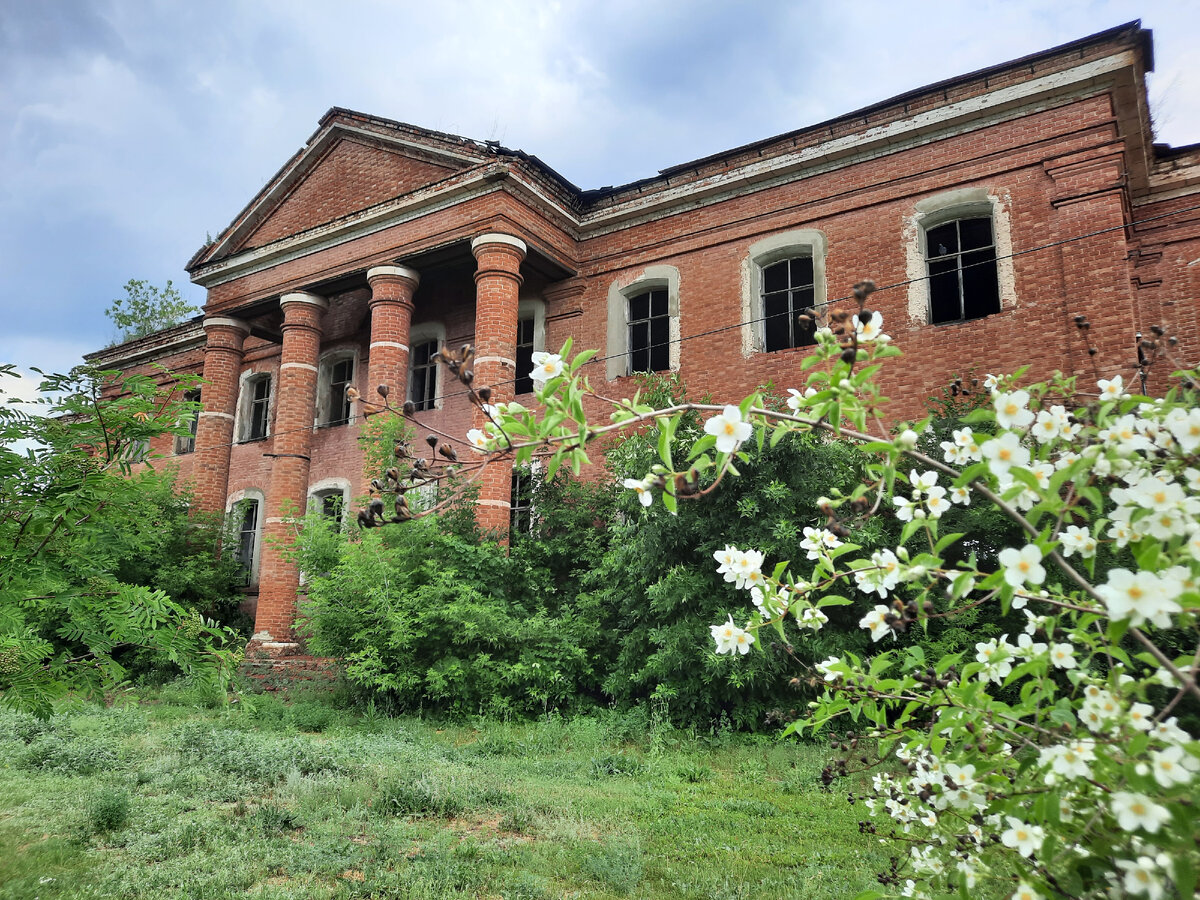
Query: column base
column 271, row 666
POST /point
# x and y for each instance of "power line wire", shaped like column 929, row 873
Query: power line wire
column 723, row 328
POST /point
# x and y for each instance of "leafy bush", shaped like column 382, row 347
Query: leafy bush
column 68, row 754
column 433, row 620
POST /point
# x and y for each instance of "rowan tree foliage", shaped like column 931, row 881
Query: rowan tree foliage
column 147, row 308
column 73, row 516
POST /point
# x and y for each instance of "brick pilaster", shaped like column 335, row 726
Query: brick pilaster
column 214, row 430
column 1089, row 197
column 295, row 404
column 392, row 289
column 497, row 284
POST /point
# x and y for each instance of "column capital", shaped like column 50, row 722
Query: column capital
column 304, row 297
column 496, row 237
column 394, row 272
column 226, row 322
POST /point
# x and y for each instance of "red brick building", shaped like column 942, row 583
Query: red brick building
column 998, row 205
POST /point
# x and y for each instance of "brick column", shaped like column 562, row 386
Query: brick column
column 497, row 283
column 296, row 397
column 392, row 289
column 214, row 429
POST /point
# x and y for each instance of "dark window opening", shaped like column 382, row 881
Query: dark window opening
column 524, row 383
column 260, row 407
column 247, row 530
column 331, row 507
column 188, row 444
column 520, row 514
column 649, row 332
column 341, row 376
column 788, row 288
column 422, row 385
column 961, row 259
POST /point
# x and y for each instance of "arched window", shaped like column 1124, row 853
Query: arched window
column 783, row 276
column 244, row 518
column 425, row 341
column 331, row 498
column 959, row 250
column 643, row 323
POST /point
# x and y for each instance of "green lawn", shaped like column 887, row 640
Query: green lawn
column 159, row 796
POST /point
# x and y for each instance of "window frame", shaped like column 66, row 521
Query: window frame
column 329, row 361
column 247, row 403
column 236, row 501
column 426, row 332
column 529, row 310
column 186, row 445
column 531, row 473
column 948, row 206
column 957, row 255
column 619, row 360
column 800, row 243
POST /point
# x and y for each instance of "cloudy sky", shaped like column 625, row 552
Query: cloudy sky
column 131, row 129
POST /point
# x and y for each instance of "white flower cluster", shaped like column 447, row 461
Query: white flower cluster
column 928, row 498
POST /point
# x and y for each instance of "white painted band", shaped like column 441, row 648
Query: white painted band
column 401, row 271
column 395, row 344
column 497, row 238
column 303, row 297
column 228, row 322
column 503, row 360
column 503, row 503
column 217, row 415
column 278, row 520
column 298, row 366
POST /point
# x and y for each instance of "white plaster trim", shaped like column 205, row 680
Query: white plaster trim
column 278, row 520
column 329, row 486
column 495, row 237
column 227, row 321
column 775, row 248
column 617, row 347
column 498, row 503
column 291, row 365
column 395, row 344
column 930, row 212
column 218, row 415
column 304, row 297
column 503, row 360
column 401, row 271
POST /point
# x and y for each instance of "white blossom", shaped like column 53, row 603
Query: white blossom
column 729, row 429
column 1012, row 409
column 1025, row 839
column 545, row 367
column 1137, row 811
column 1022, row 566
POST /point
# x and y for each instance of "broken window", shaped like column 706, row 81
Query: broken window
column 961, row 263
column 520, row 514
column 257, row 410
column 525, row 349
column 188, row 444
column 338, row 406
column 247, row 524
column 649, row 332
column 788, row 288
column 422, row 375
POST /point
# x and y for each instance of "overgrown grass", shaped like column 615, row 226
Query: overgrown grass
column 171, row 797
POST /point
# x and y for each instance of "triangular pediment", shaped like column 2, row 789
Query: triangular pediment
column 351, row 175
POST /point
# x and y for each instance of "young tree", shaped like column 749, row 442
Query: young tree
column 146, row 308
column 66, row 497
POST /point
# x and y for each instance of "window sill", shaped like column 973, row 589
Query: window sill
column 254, row 440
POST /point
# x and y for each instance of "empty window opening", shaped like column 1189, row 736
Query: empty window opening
column 259, row 408
column 520, row 515
column 341, row 376
column 422, row 382
column 788, row 289
column 332, row 505
column 247, row 524
column 649, row 332
column 961, row 261
column 188, row 444
column 525, row 348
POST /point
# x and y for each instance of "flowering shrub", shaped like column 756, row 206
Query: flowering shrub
column 1049, row 762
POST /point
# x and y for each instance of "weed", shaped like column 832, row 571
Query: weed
column 617, row 865
column 108, row 810
column 615, row 764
